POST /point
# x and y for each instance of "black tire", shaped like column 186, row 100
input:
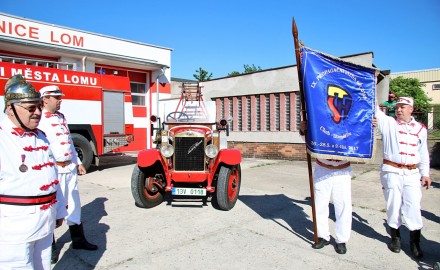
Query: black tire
column 437, row 266
column 228, row 187
column 144, row 196
column 84, row 149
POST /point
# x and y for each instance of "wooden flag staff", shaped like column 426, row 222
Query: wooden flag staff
column 304, row 118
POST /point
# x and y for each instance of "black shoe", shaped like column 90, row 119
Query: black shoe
column 321, row 243
column 414, row 244
column 83, row 244
column 394, row 245
column 341, row 248
column 416, row 250
column 79, row 241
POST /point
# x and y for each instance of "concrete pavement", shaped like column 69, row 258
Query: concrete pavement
column 269, row 228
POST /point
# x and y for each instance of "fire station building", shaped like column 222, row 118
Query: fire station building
column 29, row 42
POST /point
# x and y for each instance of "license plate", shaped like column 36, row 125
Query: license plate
column 189, row 191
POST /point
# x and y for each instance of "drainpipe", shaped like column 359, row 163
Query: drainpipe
column 83, row 61
column 157, row 90
column 157, row 101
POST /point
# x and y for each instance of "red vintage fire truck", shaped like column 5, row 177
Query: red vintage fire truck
column 189, row 160
column 98, row 107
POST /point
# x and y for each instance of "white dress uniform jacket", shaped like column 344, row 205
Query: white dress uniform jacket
column 28, row 204
column 403, row 143
column 58, row 134
column 61, row 143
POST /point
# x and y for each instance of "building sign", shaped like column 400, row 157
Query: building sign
column 56, row 76
column 15, row 28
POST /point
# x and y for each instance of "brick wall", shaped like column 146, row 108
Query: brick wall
column 270, row 150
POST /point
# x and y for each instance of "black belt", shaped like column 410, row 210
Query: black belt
column 27, row 200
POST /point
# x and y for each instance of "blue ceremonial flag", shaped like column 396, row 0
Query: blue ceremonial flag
column 340, row 103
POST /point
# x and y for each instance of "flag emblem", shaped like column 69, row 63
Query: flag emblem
column 339, row 102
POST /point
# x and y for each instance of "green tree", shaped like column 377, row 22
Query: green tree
column 202, row 75
column 250, row 69
column 247, row 69
column 233, row 73
column 411, row 87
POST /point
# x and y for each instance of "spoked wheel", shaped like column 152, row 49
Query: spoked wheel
column 228, row 187
column 146, row 192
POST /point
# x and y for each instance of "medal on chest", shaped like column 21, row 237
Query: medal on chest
column 23, row 168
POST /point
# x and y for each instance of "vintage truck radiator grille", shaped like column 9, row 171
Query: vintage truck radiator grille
column 189, row 154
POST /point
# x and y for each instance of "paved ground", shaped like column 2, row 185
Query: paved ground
column 270, row 227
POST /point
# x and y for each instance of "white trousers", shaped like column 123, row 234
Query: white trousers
column 403, row 195
column 26, row 256
column 69, row 188
column 336, row 189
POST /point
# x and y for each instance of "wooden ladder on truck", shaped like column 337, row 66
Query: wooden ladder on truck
column 191, row 101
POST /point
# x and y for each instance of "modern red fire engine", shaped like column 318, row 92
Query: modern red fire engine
column 98, row 107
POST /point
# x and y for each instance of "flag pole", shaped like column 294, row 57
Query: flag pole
column 304, row 118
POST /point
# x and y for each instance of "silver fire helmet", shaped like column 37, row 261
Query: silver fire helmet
column 18, row 90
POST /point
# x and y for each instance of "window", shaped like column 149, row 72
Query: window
column 298, row 110
column 267, row 97
column 230, row 111
column 222, row 111
column 258, row 112
column 248, row 109
column 138, row 93
column 239, row 112
column 277, row 112
column 436, row 86
column 287, row 95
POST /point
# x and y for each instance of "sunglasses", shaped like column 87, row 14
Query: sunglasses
column 31, row 108
column 55, row 97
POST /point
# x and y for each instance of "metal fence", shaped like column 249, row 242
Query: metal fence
column 430, row 117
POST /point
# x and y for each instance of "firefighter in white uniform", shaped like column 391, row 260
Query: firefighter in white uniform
column 54, row 124
column 332, row 183
column 405, row 170
column 30, row 206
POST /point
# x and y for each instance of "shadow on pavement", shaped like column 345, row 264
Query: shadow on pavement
column 113, row 160
column 280, row 207
column 431, row 216
column 430, row 249
column 95, row 233
column 274, row 207
column 360, row 226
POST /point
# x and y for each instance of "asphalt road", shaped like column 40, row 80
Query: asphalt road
column 270, row 227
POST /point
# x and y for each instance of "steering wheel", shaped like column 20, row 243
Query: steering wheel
column 177, row 116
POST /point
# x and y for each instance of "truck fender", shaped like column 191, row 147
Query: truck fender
column 227, row 156
column 148, row 157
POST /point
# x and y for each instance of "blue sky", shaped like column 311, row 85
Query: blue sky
column 221, row 36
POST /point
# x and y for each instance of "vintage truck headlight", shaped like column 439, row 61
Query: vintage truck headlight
column 167, row 150
column 211, row 151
